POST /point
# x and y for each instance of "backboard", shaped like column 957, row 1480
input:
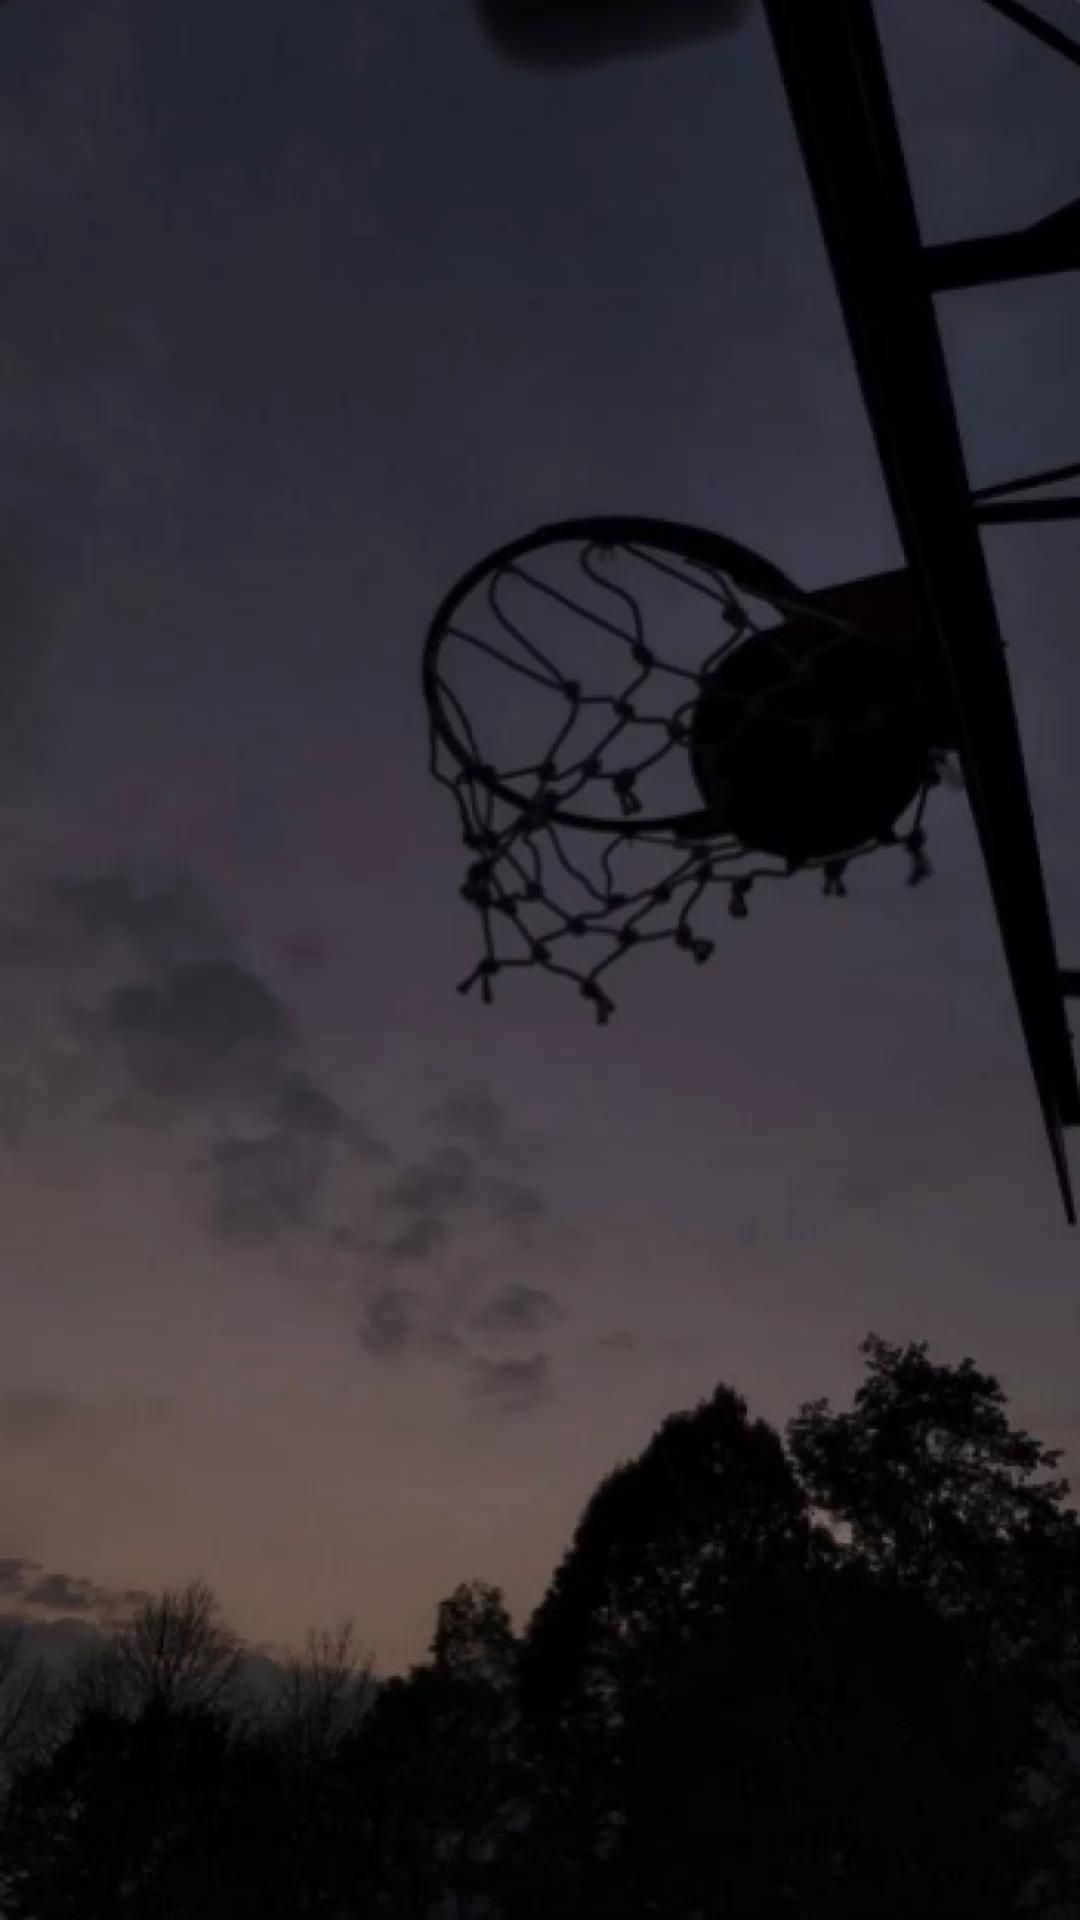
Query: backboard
column 573, row 33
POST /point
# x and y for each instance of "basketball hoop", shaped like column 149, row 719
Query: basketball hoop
column 634, row 715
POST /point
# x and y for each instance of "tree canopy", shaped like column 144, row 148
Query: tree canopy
column 827, row 1672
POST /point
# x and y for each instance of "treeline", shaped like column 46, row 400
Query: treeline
column 834, row 1673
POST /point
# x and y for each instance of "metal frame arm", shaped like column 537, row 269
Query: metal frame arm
column 834, row 72
column 1052, row 245
column 1040, row 29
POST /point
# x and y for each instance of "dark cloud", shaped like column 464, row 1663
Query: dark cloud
column 70, row 1594
column 387, row 1326
column 517, row 1310
column 14, row 1574
column 170, row 1030
column 419, row 1239
column 423, row 1201
column 435, row 1215
column 441, row 1184
column 207, row 1031
column 474, row 1117
column 514, row 1385
column 304, row 1108
column 520, row 1206
column 162, row 1021
column 62, row 1593
column 265, row 1186
column 162, row 924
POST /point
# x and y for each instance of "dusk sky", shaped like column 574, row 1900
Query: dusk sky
column 321, row 1282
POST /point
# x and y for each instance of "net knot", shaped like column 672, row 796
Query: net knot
column 693, row 944
column 623, row 784
column 477, row 888
column 604, row 1007
column 483, row 972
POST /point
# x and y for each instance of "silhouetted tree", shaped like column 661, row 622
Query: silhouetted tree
column 942, row 1498
column 174, row 1652
column 24, row 1700
column 751, row 1695
column 127, row 1814
column 664, row 1550
column 824, row 1681
column 309, row 1796
column 126, row 1818
column 474, row 1662
column 437, row 1755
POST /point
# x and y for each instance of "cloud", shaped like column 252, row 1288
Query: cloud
column 516, row 1309
column 447, row 1216
column 428, row 1198
column 419, row 1239
column 128, row 1004
column 15, row 1573
column 514, row 1386
column 442, row 1183
column 388, row 1327
column 204, row 1032
column 424, row 1200
column 71, row 1594
column 60, row 1591
column 162, row 924
column 265, row 1186
column 472, row 1116
column 308, row 1110
column 275, row 1180
column 522, row 1207
column 126, row 992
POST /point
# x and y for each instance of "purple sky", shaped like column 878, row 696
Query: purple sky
column 319, row 1281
